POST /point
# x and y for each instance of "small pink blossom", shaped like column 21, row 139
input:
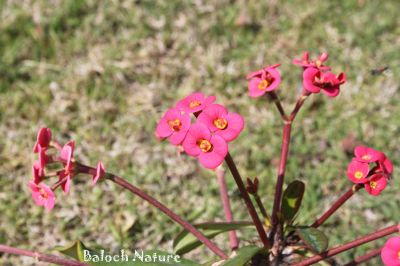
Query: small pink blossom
column 42, row 140
column 66, row 156
column 42, row 195
column 368, row 155
column 314, row 80
column 264, row 80
column 210, row 149
column 385, row 166
column 357, row 172
column 218, row 120
column 174, row 125
column 376, row 184
column 305, row 62
column 195, row 102
column 100, row 172
column 390, row 253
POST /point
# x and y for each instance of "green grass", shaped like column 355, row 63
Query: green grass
column 102, row 73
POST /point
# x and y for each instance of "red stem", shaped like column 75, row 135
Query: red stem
column 364, row 258
column 246, row 198
column 190, row 228
column 233, row 240
column 40, row 256
column 355, row 243
column 337, row 205
column 281, row 174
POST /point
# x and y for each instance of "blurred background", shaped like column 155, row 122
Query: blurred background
column 103, row 72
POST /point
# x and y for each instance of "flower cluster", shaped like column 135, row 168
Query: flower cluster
column 42, row 194
column 207, row 138
column 390, row 253
column 371, row 168
column 316, row 77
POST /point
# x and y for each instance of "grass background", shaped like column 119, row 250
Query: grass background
column 103, row 72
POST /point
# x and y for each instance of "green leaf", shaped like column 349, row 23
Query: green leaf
column 314, row 239
column 291, row 200
column 244, row 255
column 185, row 242
column 76, row 251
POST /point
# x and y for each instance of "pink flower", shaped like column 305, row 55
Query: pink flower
column 100, row 172
column 224, row 124
column 264, row 80
column 368, row 155
column 174, row 125
column 357, row 171
column 305, row 62
column 314, row 81
column 42, row 140
column 66, row 156
column 195, row 102
column 42, row 195
column 385, row 166
column 210, row 149
column 376, row 184
column 390, row 253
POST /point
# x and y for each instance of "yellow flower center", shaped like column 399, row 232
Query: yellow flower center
column 358, row 174
column 263, row 84
column 373, row 184
column 366, row 157
column 194, row 104
column 220, row 123
column 398, row 254
column 43, row 193
column 205, row 145
column 318, row 63
column 175, row 125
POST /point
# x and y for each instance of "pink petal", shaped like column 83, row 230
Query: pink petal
column 331, row 92
column 356, row 166
column 254, row 91
column 43, row 139
column 190, row 145
column 234, row 128
column 163, row 130
column 211, row 160
column 380, row 184
column 390, row 252
column 219, row 145
column 177, row 137
column 308, row 80
column 277, row 79
column 100, row 171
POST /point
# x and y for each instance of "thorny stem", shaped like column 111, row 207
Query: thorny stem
column 190, row 228
column 355, row 243
column 281, row 172
column 337, row 205
column 227, row 206
column 365, row 257
column 246, row 198
column 40, row 256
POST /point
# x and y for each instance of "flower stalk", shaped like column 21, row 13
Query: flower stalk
column 186, row 225
column 355, row 243
column 246, row 198
column 40, row 256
